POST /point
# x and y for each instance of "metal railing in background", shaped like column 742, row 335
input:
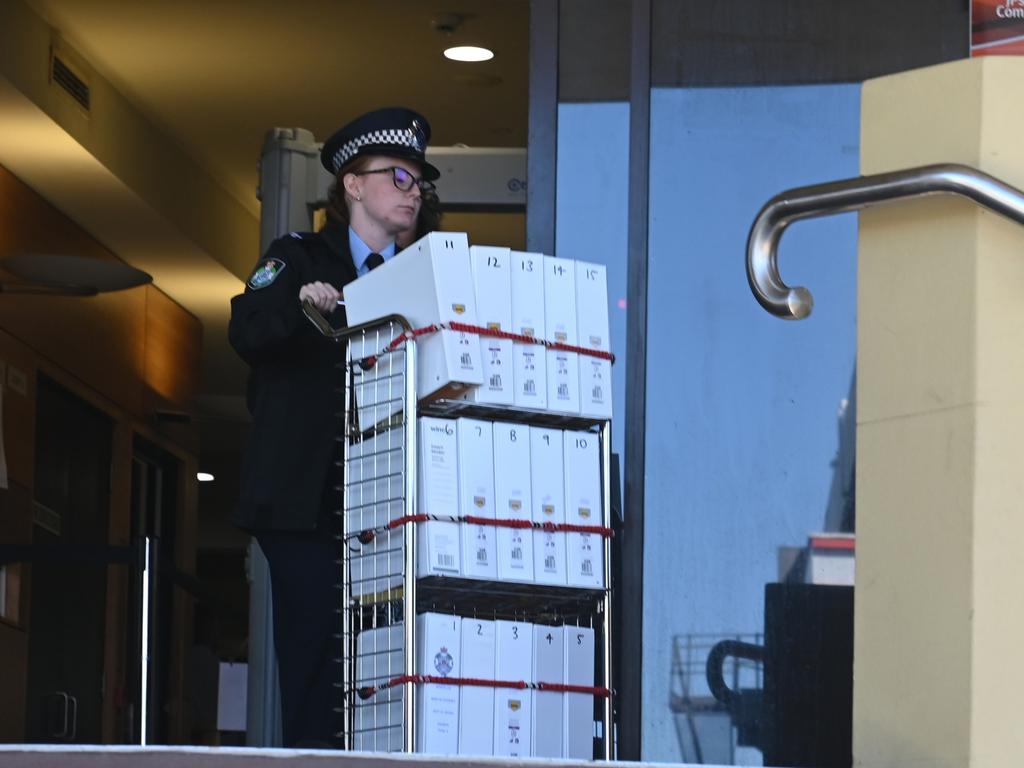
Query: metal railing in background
column 690, row 698
column 795, row 303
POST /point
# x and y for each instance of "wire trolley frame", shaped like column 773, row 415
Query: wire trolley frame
column 381, row 591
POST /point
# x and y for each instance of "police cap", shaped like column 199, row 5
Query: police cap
column 392, row 131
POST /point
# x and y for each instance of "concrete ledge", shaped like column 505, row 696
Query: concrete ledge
column 96, row 756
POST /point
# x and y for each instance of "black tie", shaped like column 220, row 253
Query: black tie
column 373, row 261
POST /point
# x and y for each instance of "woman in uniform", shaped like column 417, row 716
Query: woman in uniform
column 290, row 496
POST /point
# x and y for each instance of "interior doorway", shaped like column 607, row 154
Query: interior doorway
column 67, row 606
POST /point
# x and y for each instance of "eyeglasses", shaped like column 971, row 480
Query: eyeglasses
column 402, row 178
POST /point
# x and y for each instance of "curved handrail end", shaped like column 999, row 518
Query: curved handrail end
column 796, row 303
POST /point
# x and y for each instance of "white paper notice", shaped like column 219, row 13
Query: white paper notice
column 231, row 694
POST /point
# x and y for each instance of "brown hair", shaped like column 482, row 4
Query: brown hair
column 337, row 207
column 430, row 214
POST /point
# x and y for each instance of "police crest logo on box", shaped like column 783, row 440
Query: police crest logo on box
column 443, row 662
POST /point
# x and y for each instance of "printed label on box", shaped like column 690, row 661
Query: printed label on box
column 529, row 377
column 513, row 501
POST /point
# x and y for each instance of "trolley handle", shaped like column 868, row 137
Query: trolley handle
column 340, row 334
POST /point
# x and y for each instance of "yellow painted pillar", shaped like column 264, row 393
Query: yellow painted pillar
column 939, row 624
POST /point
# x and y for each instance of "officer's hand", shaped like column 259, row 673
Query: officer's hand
column 323, row 295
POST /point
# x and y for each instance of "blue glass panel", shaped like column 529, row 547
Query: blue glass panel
column 741, row 407
column 592, row 217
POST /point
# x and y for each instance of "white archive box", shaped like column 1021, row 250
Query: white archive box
column 380, row 658
column 584, row 551
column 593, row 330
column 513, row 717
column 547, row 487
column 476, row 705
column 529, row 361
column 512, row 500
column 438, row 494
column 578, row 735
column 563, row 369
column 476, row 497
column 492, row 281
column 439, row 654
column 429, row 282
column 548, row 706
column 378, row 719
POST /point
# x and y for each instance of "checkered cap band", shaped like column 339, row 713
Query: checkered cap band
column 399, row 137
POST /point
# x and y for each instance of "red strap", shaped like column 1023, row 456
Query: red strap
column 368, row 691
column 502, row 523
column 604, row 693
column 490, row 332
column 499, row 334
column 399, row 521
column 600, row 530
column 369, row 534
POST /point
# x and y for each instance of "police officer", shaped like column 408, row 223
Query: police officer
column 291, row 473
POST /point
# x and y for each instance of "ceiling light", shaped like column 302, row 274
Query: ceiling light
column 204, row 477
column 468, row 53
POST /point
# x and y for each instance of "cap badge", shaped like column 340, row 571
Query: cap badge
column 265, row 273
column 417, row 139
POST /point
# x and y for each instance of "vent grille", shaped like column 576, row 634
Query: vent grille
column 75, row 86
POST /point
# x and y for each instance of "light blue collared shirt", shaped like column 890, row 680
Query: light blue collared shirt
column 360, row 251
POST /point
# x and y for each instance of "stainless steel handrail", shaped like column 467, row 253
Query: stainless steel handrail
column 795, row 303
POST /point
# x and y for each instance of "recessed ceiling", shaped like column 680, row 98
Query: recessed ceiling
column 214, row 75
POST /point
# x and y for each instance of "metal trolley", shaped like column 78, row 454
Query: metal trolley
column 379, row 584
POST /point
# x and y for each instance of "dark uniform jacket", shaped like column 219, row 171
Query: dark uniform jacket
column 295, row 391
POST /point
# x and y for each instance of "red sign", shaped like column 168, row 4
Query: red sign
column 997, row 27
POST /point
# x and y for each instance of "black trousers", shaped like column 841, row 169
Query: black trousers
column 304, row 577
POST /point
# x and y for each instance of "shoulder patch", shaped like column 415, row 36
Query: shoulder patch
column 265, row 273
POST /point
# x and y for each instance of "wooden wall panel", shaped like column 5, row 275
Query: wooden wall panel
column 172, row 352
column 127, row 353
column 29, row 224
column 99, row 339
column 19, row 409
column 138, row 348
